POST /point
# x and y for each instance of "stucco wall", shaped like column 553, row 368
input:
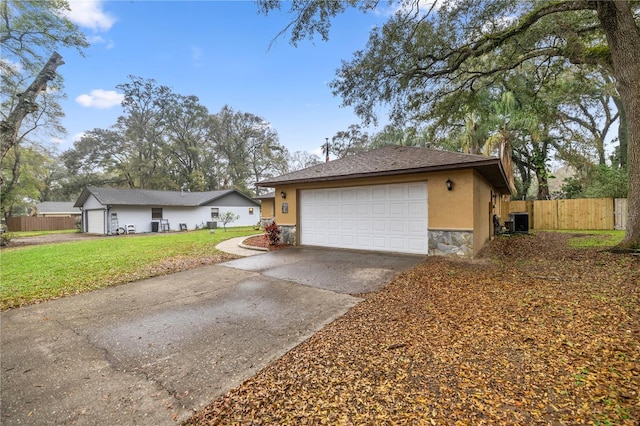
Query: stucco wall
column 482, row 212
column 451, row 210
column 267, row 208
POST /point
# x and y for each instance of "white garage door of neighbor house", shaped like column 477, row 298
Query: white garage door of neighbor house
column 95, row 221
column 376, row 217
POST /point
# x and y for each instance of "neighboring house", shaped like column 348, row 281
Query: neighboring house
column 396, row 199
column 57, row 209
column 112, row 210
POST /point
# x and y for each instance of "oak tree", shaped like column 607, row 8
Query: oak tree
column 421, row 54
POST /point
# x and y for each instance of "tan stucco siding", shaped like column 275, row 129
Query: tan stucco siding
column 267, row 209
column 482, row 212
column 451, row 210
column 290, row 217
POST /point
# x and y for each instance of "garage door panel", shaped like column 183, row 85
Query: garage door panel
column 416, row 226
column 379, row 243
column 397, row 243
column 363, row 195
column 379, row 209
column 416, row 244
column 377, row 217
column 397, row 192
column 362, row 209
column 416, row 208
column 397, row 209
column 379, row 193
column 95, row 222
column 347, row 209
column 379, row 225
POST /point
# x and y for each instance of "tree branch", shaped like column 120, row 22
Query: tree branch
column 27, row 104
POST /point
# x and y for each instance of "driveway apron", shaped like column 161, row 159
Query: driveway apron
column 155, row 351
column 341, row 271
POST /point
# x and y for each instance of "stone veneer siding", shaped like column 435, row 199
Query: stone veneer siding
column 288, row 234
column 448, row 243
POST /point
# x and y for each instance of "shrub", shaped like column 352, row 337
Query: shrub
column 273, row 233
column 227, row 218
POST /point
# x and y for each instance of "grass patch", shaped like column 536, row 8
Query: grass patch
column 593, row 238
column 35, row 273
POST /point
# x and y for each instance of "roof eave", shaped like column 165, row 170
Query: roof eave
column 456, row 166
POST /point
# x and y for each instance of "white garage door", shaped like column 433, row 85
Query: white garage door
column 95, row 221
column 377, row 217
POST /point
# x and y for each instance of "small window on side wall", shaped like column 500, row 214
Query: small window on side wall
column 156, row 213
column 215, row 212
column 250, row 210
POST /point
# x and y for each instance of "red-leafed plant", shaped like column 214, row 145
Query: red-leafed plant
column 273, row 233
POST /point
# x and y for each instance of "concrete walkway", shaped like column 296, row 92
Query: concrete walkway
column 233, row 246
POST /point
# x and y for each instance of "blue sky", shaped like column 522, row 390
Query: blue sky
column 218, row 51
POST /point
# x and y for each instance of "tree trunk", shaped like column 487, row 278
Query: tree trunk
column 622, row 133
column 623, row 37
column 10, row 127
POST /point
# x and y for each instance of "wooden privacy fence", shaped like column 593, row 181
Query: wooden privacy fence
column 34, row 223
column 581, row 213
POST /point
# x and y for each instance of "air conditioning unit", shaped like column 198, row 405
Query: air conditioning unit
column 520, row 223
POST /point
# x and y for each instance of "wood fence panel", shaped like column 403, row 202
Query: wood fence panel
column 545, row 213
column 33, row 223
column 585, row 213
column 620, row 213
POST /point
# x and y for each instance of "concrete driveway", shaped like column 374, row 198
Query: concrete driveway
column 155, row 351
column 341, row 271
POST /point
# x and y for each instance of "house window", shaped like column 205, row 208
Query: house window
column 214, row 212
column 250, row 210
column 156, row 213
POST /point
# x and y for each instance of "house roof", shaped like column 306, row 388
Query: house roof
column 395, row 160
column 267, row 196
column 57, row 207
column 148, row 197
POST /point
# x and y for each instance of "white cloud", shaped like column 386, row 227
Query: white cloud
column 78, row 136
column 196, row 52
column 101, row 99
column 89, row 14
column 57, row 141
column 96, row 39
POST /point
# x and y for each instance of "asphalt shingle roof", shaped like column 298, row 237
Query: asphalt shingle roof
column 62, row 207
column 148, row 197
column 394, row 160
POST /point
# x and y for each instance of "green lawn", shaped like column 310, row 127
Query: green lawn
column 594, row 238
column 35, row 273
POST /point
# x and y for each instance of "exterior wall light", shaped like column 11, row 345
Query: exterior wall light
column 283, row 194
column 449, row 184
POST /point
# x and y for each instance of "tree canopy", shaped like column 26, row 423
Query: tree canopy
column 165, row 140
column 30, row 34
column 458, row 48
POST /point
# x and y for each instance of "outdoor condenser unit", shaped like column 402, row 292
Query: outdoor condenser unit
column 520, row 222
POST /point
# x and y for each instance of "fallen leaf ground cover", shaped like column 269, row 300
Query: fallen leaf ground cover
column 533, row 332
